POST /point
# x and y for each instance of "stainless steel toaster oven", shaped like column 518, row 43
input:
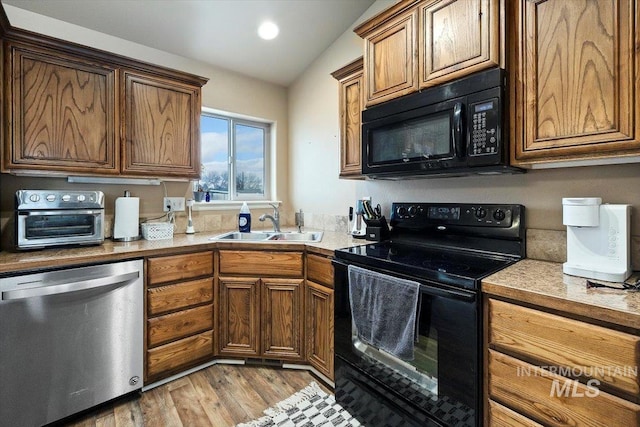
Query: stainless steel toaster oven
column 46, row 218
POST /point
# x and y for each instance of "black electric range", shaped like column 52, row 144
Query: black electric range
column 447, row 249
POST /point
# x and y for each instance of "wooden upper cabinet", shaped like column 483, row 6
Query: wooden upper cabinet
column 415, row 44
column 457, row 37
column 61, row 112
column 390, row 53
column 351, row 104
column 71, row 109
column 574, row 89
column 161, row 127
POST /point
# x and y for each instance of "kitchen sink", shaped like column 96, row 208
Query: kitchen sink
column 262, row 236
column 293, row 236
column 236, row 235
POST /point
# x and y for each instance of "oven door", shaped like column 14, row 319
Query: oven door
column 37, row 229
column 441, row 386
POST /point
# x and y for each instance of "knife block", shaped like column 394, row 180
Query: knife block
column 377, row 229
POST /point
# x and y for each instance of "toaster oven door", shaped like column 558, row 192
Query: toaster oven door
column 38, row 229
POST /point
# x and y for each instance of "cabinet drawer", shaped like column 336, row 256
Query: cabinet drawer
column 500, row 416
column 607, row 355
column 181, row 295
column 320, row 270
column 180, row 324
column 257, row 263
column 178, row 267
column 179, row 353
column 554, row 400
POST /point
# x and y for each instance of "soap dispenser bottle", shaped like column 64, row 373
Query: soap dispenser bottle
column 244, row 219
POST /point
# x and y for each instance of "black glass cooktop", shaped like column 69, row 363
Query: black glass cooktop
column 449, row 266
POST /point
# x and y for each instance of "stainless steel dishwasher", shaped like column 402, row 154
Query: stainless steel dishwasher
column 69, row 339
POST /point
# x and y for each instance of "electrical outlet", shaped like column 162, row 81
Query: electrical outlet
column 176, row 203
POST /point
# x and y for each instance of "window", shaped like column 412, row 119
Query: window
column 234, row 158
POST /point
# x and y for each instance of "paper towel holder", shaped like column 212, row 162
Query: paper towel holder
column 128, row 237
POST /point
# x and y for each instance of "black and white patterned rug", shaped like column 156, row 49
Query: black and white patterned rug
column 310, row 407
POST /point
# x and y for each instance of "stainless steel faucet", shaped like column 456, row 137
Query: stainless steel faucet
column 275, row 218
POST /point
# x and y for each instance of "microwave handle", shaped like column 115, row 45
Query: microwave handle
column 458, row 135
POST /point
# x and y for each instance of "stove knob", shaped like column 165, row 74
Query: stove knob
column 402, row 211
column 499, row 215
column 34, row 198
column 66, row 198
column 481, row 213
column 413, row 210
column 51, row 197
column 81, row 197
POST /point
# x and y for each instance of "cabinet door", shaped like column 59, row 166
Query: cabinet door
column 351, row 104
column 161, row 132
column 574, row 90
column 390, row 59
column 457, row 37
column 239, row 319
column 282, row 321
column 61, row 113
column 319, row 327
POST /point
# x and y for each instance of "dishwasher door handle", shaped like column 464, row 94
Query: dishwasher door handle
column 64, row 288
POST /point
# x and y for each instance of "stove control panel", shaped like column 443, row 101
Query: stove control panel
column 415, row 215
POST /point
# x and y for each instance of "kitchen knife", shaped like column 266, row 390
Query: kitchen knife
column 366, row 206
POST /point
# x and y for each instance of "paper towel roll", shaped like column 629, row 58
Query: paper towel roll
column 125, row 224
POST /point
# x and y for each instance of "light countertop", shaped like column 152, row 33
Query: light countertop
column 544, row 284
column 112, row 251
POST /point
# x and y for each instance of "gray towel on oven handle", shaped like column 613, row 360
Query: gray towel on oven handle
column 383, row 309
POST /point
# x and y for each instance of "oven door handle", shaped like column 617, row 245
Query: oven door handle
column 430, row 290
column 61, row 212
column 447, row 293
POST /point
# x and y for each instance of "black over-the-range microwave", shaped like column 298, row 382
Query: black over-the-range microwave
column 458, row 128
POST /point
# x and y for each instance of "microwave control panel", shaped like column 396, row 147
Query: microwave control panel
column 483, row 130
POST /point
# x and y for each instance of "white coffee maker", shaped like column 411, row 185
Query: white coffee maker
column 598, row 239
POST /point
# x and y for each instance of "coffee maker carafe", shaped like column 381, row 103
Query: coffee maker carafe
column 598, row 239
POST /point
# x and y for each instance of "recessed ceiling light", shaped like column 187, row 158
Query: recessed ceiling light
column 268, row 30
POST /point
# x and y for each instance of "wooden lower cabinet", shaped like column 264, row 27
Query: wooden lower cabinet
column 261, row 296
column 179, row 313
column 501, row 416
column 553, row 369
column 178, row 355
column 319, row 327
column 239, row 324
column 261, row 317
column 282, row 320
column 319, row 314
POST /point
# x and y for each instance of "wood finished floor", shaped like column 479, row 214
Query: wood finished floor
column 218, row 396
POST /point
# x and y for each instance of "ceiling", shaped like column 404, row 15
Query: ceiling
column 222, row 33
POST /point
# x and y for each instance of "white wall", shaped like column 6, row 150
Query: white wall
column 314, row 154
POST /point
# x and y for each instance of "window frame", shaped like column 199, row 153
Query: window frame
column 268, row 145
